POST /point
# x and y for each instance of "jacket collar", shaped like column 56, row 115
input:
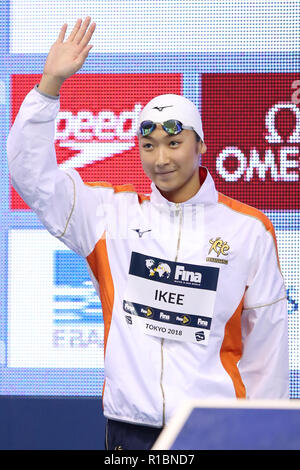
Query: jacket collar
column 207, row 193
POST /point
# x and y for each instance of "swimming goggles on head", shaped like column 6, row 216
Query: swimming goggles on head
column 172, row 127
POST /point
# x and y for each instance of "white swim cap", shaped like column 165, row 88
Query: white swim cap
column 169, row 106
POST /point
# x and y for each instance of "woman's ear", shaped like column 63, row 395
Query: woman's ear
column 201, row 147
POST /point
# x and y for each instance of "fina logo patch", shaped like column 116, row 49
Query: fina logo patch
column 162, row 269
column 183, row 275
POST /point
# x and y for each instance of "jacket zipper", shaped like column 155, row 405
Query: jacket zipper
column 179, row 210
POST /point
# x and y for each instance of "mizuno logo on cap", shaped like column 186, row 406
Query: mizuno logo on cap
column 160, row 108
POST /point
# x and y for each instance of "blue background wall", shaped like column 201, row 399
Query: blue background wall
column 53, row 423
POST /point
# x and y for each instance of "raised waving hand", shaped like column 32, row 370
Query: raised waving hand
column 65, row 58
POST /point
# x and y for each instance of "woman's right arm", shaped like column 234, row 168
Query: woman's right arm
column 59, row 198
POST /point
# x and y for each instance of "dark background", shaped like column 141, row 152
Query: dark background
column 51, row 423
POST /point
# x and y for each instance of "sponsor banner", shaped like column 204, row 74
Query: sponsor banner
column 166, row 316
column 54, row 315
column 252, row 129
column 160, row 291
column 96, row 124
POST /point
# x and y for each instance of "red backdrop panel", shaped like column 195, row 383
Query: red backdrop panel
column 251, row 126
column 95, row 126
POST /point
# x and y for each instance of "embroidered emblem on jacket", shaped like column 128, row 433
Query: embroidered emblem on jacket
column 220, row 248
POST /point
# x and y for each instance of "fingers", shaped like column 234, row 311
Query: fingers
column 75, row 29
column 88, row 35
column 78, row 34
column 62, row 33
column 81, row 32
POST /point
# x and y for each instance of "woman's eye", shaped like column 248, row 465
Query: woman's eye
column 147, row 146
column 174, row 143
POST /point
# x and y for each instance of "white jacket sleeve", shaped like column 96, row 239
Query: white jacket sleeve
column 264, row 365
column 65, row 205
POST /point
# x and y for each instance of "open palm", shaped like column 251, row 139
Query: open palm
column 66, row 58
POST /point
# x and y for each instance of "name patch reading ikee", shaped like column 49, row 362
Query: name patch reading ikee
column 169, row 299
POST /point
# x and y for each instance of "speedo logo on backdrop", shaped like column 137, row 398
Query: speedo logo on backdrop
column 96, row 136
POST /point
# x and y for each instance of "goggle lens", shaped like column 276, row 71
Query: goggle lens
column 172, row 127
column 147, row 127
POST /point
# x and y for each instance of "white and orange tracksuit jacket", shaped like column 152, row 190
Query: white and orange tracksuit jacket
column 194, row 302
